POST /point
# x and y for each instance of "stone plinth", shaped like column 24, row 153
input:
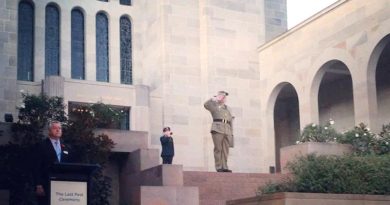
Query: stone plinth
column 168, row 195
column 162, row 184
column 293, row 198
column 142, row 159
column 215, row 188
column 162, row 175
column 290, row 153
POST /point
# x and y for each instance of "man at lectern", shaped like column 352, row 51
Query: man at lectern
column 48, row 152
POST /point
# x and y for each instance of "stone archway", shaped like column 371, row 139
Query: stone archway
column 286, row 120
column 382, row 82
column 335, row 95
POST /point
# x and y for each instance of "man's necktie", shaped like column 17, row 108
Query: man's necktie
column 58, row 150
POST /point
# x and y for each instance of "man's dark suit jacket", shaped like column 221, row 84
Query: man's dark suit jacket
column 167, row 146
column 44, row 157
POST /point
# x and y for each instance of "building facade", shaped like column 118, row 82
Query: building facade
column 162, row 59
column 158, row 59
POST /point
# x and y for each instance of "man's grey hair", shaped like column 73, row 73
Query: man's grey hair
column 51, row 122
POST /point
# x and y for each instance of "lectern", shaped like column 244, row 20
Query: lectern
column 69, row 183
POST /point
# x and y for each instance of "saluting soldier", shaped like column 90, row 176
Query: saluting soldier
column 221, row 129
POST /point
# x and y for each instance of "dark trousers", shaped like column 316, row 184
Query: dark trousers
column 167, row 159
column 43, row 200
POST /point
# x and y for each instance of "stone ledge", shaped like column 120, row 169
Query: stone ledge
column 163, row 175
column 172, row 195
column 295, row 198
column 290, row 153
column 216, row 188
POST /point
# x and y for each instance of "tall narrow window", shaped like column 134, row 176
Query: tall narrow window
column 125, row 2
column 52, row 41
column 102, row 66
column 125, row 49
column 77, row 45
column 25, row 41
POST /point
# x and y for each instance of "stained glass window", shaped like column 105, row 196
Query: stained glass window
column 125, row 50
column 52, row 41
column 25, row 41
column 102, row 60
column 77, row 45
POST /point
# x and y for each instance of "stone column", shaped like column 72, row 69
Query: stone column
column 308, row 108
column 39, row 42
column 90, row 45
column 365, row 100
column 65, row 42
column 114, row 51
column 140, row 113
column 8, row 58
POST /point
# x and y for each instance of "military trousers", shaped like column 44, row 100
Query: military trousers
column 221, row 150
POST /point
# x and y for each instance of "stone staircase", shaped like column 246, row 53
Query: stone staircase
column 162, row 184
column 143, row 181
column 137, row 176
column 140, row 179
column 216, row 188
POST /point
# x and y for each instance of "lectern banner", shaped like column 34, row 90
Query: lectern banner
column 68, row 193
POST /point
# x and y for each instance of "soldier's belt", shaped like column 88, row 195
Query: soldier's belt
column 222, row 120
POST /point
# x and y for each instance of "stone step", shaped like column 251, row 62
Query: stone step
column 172, row 195
column 162, row 184
column 161, row 175
column 216, row 188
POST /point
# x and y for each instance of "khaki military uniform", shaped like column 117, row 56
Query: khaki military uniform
column 221, row 131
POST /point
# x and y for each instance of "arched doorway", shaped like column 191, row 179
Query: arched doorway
column 335, row 95
column 382, row 82
column 286, row 120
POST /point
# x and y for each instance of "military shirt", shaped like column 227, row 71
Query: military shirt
column 220, row 111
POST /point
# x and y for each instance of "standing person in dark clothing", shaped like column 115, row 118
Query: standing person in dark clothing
column 168, row 150
column 49, row 151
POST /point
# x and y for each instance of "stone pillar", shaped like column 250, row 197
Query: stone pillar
column 65, row 42
column 114, row 52
column 267, row 141
column 90, row 45
column 365, row 101
column 140, row 113
column 39, row 42
column 308, row 108
column 8, row 59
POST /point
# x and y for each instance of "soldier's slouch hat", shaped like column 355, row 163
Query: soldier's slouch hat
column 223, row 93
